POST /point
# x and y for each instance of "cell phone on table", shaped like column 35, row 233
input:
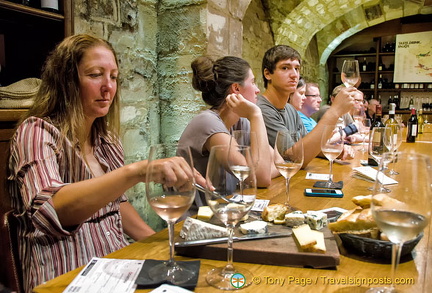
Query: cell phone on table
column 317, row 192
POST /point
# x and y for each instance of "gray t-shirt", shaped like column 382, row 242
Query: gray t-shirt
column 196, row 134
column 280, row 119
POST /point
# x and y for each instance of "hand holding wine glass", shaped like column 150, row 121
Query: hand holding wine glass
column 170, row 191
column 407, row 211
column 288, row 156
column 229, row 204
column 332, row 144
column 350, row 73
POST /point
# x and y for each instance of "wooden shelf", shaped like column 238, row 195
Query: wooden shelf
column 373, row 58
column 30, row 10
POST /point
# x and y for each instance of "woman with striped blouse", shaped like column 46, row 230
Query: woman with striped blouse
column 67, row 174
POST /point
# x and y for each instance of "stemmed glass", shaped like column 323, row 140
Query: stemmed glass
column 240, row 168
column 364, row 132
column 247, row 138
column 393, row 139
column 377, row 148
column 170, row 203
column 288, row 156
column 350, row 73
column 406, row 212
column 229, row 205
column 332, row 144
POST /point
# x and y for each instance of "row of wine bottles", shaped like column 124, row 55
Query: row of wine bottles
column 48, row 5
column 414, row 124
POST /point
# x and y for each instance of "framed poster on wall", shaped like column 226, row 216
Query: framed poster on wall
column 413, row 57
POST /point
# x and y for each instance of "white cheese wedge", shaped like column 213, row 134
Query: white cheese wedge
column 320, row 245
column 304, row 238
column 294, row 219
column 255, row 227
column 316, row 220
column 194, row 229
column 204, row 213
column 309, row 240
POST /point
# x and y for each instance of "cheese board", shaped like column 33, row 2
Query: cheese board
column 281, row 251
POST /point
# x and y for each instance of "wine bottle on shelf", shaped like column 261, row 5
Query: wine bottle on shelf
column 397, row 101
column 372, row 84
column 411, row 103
column 420, row 121
column 390, row 100
column 412, row 126
column 380, row 82
column 50, row 5
column 381, row 65
column 364, row 64
column 391, row 121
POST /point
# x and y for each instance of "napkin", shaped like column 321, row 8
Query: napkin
column 143, row 281
column 370, row 174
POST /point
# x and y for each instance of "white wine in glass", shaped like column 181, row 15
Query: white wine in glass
column 229, row 205
column 170, row 199
column 350, row 73
column 332, row 144
column 407, row 210
column 288, row 156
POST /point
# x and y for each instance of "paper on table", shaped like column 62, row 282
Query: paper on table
column 370, row 174
column 317, row 176
column 107, row 275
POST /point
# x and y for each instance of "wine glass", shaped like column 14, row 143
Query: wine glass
column 230, row 206
column 350, row 73
column 288, row 156
column 377, row 148
column 332, row 143
column 406, row 212
column 392, row 139
column 170, row 202
column 364, row 132
column 247, row 138
column 239, row 167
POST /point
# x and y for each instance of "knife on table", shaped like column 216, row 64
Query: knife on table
column 235, row 238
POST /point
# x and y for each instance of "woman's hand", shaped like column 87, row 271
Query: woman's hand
column 241, row 106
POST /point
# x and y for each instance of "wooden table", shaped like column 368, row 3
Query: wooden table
column 352, row 269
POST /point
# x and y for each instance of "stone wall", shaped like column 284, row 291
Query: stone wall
column 257, row 38
column 131, row 27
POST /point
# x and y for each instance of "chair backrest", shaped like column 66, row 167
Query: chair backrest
column 10, row 266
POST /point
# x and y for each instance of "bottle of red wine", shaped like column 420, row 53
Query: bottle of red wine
column 412, row 126
column 378, row 115
column 50, row 5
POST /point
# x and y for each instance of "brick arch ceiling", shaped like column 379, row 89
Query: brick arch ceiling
column 332, row 21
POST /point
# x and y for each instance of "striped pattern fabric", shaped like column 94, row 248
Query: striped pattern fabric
column 41, row 162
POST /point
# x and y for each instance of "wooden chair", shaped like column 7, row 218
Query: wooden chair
column 10, row 266
column 10, row 272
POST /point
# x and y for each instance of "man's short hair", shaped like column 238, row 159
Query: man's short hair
column 276, row 54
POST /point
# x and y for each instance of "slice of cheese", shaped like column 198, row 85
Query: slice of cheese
column 320, row 245
column 204, row 213
column 309, row 240
column 304, row 237
column 194, row 229
column 254, row 227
